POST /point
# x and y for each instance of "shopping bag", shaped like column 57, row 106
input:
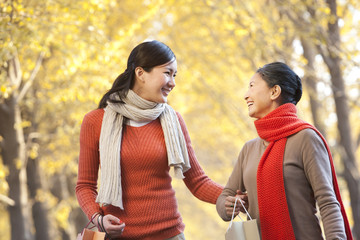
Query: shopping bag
column 88, row 234
column 242, row 230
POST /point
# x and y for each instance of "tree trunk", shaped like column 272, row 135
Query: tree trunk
column 13, row 155
column 333, row 62
column 61, row 191
column 310, row 81
column 39, row 209
column 35, row 178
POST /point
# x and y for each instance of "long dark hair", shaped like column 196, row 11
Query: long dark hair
column 278, row 73
column 146, row 55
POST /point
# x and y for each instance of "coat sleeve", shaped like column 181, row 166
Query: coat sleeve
column 318, row 172
column 234, row 183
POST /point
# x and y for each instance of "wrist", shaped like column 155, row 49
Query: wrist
column 94, row 217
column 99, row 221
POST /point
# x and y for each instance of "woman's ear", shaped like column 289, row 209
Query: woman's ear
column 275, row 92
column 139, row 72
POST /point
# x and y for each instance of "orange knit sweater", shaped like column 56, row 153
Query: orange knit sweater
column 150, row 207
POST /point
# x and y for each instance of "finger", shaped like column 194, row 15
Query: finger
column 230, row 199
column 239, row 192
column 112, row 219
column 116, row 230
column 116, row 227
column 229, row 204
column 244, row 197
column 229, row 213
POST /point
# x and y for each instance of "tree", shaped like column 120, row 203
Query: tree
column 65, row 54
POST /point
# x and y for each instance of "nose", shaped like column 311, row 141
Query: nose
column 172, row 83
column 246, row 96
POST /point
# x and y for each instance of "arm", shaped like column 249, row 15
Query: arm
column 318, row 172
column 86, row 186
column 226, row 199
column 200, row 185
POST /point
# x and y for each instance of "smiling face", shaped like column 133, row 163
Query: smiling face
column 260, row 98
column 155, row 85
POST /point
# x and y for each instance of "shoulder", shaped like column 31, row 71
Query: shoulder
column 253, row 143
column 306, row 135
column 179, row 116
column 307, row 140
column 252, row 146
column 94, row 117
column 182, row 123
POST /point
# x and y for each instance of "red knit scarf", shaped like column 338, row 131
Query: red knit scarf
column 273, row 209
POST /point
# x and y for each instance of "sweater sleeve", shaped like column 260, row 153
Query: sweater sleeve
column 200, row 185
column 86, row 186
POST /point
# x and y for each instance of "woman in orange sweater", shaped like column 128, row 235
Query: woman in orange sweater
column 138, row 142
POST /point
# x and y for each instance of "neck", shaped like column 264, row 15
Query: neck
column 134, row 123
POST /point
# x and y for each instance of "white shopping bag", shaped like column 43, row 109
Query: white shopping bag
column 242, row 230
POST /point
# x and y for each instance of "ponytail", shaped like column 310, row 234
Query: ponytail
column 121, row 86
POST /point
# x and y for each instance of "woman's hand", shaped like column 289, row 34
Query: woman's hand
column 244, row 198
column 230, row 203
column 112, row 225
column 229, row 206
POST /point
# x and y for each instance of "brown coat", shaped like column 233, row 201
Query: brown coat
column 308, row 183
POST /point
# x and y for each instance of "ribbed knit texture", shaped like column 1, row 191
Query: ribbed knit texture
column 137, row 109
column 273, row 209
column 149, row 200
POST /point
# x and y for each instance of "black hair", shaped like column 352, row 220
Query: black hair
column 278, row 73
column 146, row 55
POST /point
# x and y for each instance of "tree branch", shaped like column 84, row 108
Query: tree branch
column 14, row 70
column 34, row 72
column 7, row 200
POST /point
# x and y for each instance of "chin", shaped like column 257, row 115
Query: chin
column 161, row 100
column 251, row 114
column 254, row 116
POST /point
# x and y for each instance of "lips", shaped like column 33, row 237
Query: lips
column 166, row 91
column 250, row 103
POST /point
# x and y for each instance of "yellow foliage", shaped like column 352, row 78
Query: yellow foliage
column 34, row 151
column 46, row 197
column 25, row 124
column 4, row 92
column 4, row 172
column 218, row 44
column 62, row 212
column 18, row 163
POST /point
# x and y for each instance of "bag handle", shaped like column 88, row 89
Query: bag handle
column 91, row 221
column 233, row 213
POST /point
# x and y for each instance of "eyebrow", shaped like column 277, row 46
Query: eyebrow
column 170, row 69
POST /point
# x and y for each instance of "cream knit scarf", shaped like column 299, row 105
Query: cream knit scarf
column 140, row 110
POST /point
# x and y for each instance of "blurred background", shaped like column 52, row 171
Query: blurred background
column 58, row 57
